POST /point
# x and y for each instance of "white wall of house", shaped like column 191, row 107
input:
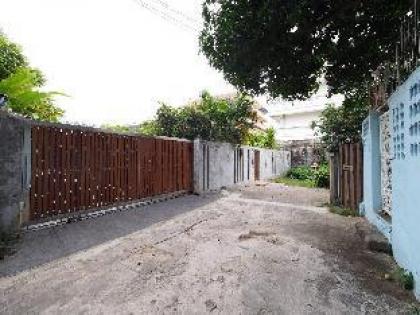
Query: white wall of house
column 295, row 126
column 293, row 119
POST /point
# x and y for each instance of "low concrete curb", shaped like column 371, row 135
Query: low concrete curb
column 81, row 216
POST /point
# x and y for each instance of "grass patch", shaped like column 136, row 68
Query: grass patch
column 343, row 211
column 403, row 277
column 295, row 182
column 306, row 176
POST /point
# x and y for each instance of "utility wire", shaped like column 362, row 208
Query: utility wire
column 168, row 7
column 168, row 14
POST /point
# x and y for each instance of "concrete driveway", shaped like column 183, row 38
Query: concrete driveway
column 243, row 251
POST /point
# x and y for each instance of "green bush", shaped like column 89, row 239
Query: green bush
column 322, row 176
column 319, row 177
column 300, row 172
column 404, row 278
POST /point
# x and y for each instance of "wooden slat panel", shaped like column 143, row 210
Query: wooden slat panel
column 348, row 186
column 76, row 169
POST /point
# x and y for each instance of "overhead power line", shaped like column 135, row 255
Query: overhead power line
column 175, row 11
column 170, row 14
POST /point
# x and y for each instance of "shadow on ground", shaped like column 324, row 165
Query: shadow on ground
column 39, row 247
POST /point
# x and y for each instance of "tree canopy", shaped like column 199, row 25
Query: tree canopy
column 225, row 119
column 11, row 57
column 283, row 47
column 22, row 84
column 210, row 118
column 262, row 138
column 147, row 128
column 342, row 124
column 26, row 99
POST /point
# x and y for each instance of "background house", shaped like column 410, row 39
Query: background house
column 292, row 121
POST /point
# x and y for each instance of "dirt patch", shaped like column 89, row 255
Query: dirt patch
column 253, row 234
column 269, row 237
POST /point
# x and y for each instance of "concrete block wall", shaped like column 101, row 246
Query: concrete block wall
column 404, row 107
column 402, row 228
column 218, row 165
column 306, row 152
column 386, row 169
column 15, row 162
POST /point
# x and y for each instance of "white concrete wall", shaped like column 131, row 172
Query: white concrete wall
column 218, row 165
column 274, row 163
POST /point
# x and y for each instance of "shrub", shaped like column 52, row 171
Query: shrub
column 262, row 139
column 318, row 177
column 404, row 278
column 300, row 172
column 322, row 176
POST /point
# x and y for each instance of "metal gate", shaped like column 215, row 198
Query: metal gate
column 77, row 169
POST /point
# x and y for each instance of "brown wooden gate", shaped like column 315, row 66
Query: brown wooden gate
column 77, row 169
column 346, row 180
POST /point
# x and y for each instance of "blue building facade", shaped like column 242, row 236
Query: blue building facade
column 403, row 229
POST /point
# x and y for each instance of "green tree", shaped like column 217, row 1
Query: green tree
column 262, row 139
column 342, row 124
column 116, row 128
column 283, row 47
column 148, row 128
column 25, row 98
column 22, row 85
column 11, row 57
column 210, row 118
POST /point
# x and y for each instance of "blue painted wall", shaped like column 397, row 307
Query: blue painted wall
column 372, row 203
column 404, row 109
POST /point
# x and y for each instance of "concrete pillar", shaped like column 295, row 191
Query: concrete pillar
column 15, row 172
column 198, row 167
column 26, row 174
column 372, row 164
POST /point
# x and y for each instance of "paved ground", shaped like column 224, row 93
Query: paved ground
column 244, row 251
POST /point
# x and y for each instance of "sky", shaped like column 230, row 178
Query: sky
column 113, row 58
